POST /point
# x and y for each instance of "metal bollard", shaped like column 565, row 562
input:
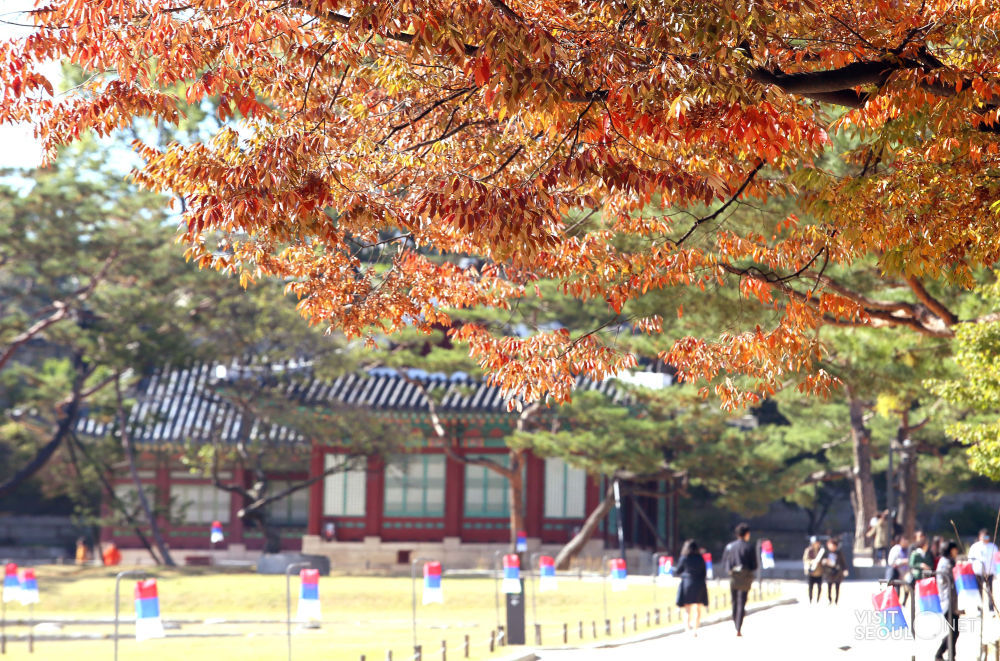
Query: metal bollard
column 538, row 634
column 635, row 622
column 656, row 615
column 593, row 626
column 465, row 650
column 565, row 633
column 648, row 618
column 623, row 624
column 607, row 627
column 444, row 650
column 418, row 652
column 581, row 629
column 493, row 640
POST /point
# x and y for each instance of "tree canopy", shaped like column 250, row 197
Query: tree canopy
column 976, row 390
column 365, row 146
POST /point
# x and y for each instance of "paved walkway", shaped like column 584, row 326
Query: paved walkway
column 801, row 631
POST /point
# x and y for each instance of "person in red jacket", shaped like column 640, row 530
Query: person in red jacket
column 112, row 556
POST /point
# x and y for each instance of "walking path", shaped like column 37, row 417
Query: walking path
column 816, row 632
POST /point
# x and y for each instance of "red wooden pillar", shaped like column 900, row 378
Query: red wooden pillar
column 534, row 496
column 316, row 467
column 374, row 497
column 454, row 497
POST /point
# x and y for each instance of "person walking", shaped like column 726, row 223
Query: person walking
column 949, row 600
column 739, row 559
column 812, row 559
column 111, row 555
column 692, row 593
column 921, row 561
column 934, row 551
column 82, row 552
column 983, row 553
column 880, row 530
column 834, row 570
column 898, row 565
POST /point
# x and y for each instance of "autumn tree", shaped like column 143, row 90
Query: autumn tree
column 489, row 129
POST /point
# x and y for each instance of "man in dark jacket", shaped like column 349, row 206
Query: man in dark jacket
column 740, row 560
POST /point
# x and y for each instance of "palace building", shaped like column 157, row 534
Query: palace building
column 375, row 515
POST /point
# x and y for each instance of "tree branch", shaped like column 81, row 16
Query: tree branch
column 267, row 500
column 715, row 214
column 70, row 408
column 828, row 475
column 61, row 311
column 934, row 305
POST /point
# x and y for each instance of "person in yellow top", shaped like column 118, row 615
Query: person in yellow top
column 812, row 566
column 82, row 552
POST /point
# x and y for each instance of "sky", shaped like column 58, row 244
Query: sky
column 19, row 148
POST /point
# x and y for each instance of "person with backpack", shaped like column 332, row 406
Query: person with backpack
column 739, row 559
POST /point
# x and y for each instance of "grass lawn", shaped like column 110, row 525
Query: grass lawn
column 361, row 615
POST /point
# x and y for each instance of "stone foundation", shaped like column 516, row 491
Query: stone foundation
column 236, row 554
column 373, row 554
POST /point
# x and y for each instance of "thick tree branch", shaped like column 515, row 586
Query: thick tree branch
column 19, row 340
column 267, row 500
column 879, row 314
column 828, row 475
column 60, row 310
column 68, row 409
column 575, row 545
column 935, row 306
column 831, row 81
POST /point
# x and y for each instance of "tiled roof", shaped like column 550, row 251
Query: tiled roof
column 178, row 405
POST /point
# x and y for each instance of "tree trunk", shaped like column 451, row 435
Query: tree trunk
column 272, row 536
column 515, row 482
column 69, row 408
column 109, row 490
column 575, row 545
column 863, row 491
column 909, row 486
column 154, row 526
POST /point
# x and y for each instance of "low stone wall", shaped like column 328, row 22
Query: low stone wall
column 373, row 554
column 234, row 554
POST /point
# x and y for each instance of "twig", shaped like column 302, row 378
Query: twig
column 717, row 212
